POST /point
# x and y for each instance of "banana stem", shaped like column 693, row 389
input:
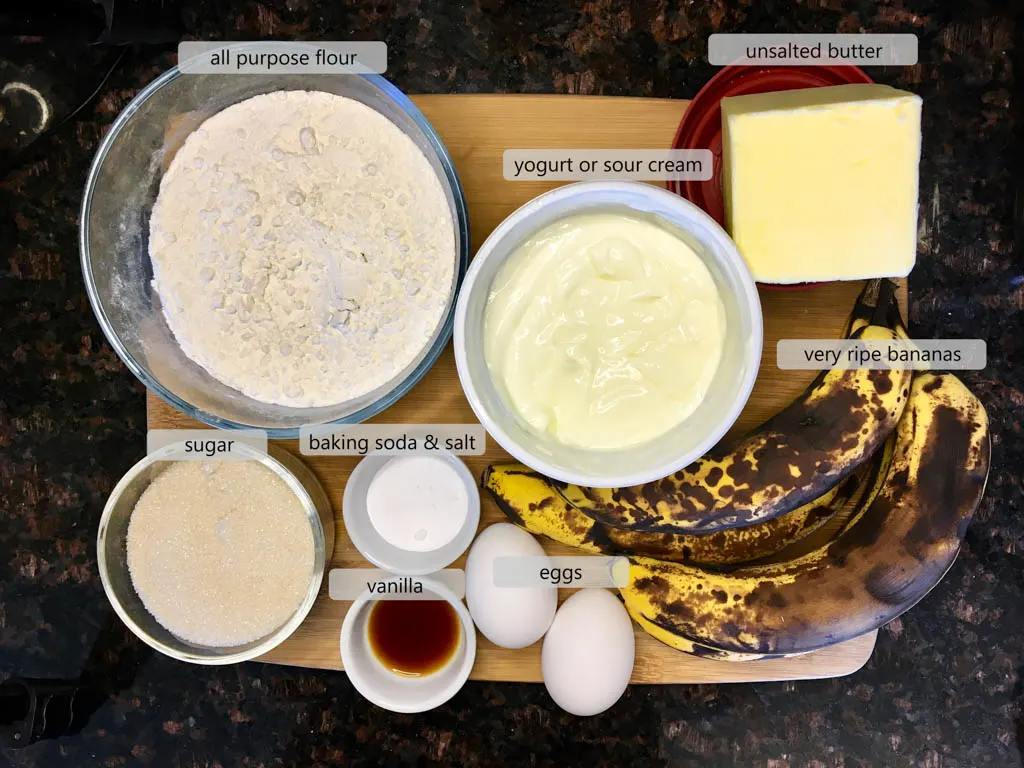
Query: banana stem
column 886, row 294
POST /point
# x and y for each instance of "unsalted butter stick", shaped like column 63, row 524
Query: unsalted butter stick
column 821, row 183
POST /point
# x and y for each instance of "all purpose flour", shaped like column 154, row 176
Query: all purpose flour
column 302, row 247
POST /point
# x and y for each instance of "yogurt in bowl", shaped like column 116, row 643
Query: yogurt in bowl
column 608, row 333
column 604, row 330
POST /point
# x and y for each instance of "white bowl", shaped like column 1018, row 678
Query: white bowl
column 377, row 549
column 682, row 444
column 386, row 689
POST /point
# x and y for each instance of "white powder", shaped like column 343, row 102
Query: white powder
column 221, row 553
column 417, row 503
column 302, row 247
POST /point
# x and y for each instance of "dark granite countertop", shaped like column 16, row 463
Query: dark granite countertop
column 944, row 686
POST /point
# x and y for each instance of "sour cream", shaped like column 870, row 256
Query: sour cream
column 604, row 330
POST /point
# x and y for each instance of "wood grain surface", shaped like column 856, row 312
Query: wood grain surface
column 476, row 130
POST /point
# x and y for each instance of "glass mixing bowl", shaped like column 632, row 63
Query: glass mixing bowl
column 114, row 234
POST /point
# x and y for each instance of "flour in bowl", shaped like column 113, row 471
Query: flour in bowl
column 303, row 248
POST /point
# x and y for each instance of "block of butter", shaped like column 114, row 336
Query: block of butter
column 821, row 183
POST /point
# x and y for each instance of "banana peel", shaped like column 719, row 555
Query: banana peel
column 530, row 501
column 895, row 548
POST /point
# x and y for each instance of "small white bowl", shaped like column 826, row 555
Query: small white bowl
column 393, row 692
column 682, row 444
column 376, row 548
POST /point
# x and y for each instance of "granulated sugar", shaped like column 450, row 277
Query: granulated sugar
column 221, row 553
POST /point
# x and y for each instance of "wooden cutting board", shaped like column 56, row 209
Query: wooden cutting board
column 476, row 130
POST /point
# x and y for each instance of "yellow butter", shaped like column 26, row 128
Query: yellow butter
column 821, row 184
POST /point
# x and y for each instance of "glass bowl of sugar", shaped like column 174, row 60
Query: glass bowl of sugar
column 272, row 251
column 215, row 562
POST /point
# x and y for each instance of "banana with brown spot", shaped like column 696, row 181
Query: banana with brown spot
column 530, row 501
column 669, row 638
column 895, row 549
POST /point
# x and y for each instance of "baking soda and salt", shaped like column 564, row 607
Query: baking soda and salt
column 417, row 503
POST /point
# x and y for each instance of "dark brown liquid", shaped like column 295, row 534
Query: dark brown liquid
column 414, row 637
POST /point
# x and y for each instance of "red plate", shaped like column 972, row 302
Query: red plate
column 701, row 126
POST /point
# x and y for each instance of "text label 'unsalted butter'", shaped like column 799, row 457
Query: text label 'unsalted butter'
column 792, row 50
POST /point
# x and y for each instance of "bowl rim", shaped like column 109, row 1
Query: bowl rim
column 402, row 387
column 521, row 452
column 437, row 697
column 275, row 638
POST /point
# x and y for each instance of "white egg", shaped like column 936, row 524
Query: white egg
column 587, row 658
column 511, row 617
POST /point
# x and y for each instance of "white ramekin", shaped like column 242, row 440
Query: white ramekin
column 683, row 443
column 382, row 553
column 394, row 692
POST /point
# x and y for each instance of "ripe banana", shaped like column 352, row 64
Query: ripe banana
column 791, row 459
column 696, row 649
column 897, row 546
column 530, row 501
column 823, row 536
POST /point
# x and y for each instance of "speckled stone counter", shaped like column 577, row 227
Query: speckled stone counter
column 943, row 687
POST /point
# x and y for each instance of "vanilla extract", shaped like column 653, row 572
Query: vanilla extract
column 414, row 638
